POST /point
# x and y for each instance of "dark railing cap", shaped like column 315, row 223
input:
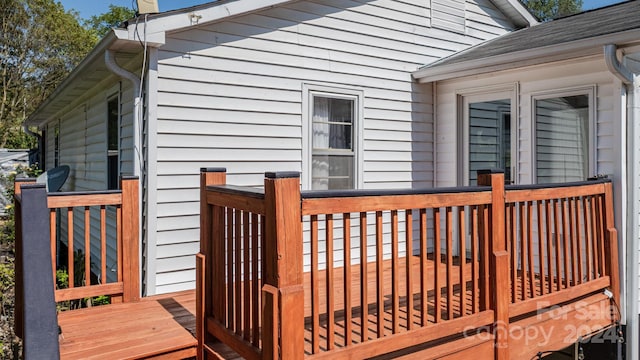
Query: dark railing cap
column 129, row 177
column 83, row 193
column 212, row 169
column 282, row 174
column 238, row 190
column 33, row 186
column 556, row 185
column 490, row 171
column 24, row 179
column 323, row 194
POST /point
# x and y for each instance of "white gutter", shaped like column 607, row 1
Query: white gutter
column 632, row 83
column 112, row 65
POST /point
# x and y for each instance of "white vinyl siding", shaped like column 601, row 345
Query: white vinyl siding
column 230, row 94
column 83, row 147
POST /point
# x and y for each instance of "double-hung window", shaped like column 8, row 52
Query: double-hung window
column 113, row 142
column 562, row 136
column 333, row 119
column 56, row 145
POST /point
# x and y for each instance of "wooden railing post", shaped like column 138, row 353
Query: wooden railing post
column 499, row 263
column 38, row 318
column 130, row 239
column 283, row 267
column 17, row 190
column 611, row 244
column 209, row 274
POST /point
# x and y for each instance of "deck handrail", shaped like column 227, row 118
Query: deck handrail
column 252, row 258
column 68, row 206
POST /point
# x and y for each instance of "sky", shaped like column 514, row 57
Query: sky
column 88, row 8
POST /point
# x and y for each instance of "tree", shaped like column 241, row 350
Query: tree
column 101, row 24
column 40, row 43
column 547, row 10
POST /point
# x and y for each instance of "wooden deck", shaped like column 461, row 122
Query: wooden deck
column 155, row 327
column 163, row 327
column 536, row 260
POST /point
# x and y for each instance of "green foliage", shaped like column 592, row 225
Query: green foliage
column 62, row 279
column 6, row 305
column 40, row 43
column 6, row 284
column 62, row 282
column 101, row 24
column 547, row 10
column 7, row 229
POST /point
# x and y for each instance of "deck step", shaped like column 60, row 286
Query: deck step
column 156, row 327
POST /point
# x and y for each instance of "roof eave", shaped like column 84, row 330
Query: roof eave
column 116, row 39
column 517, row 12
column 36, row 119
column 184, row 18
column 534, row 56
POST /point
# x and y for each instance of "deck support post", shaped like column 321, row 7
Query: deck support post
column 283, row 269
column 34, row 289
column 208, row 273
column 499, row 261
column 130, row 238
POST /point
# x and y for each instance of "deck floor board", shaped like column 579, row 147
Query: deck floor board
column 151, row 327
column 165, row 324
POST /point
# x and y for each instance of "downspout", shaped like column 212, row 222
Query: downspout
column 112, row 65
column 632, row 84
column 434, row 89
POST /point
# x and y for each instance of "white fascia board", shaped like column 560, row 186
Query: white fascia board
column 131, row 34
column 526, row 18
column 174, row 21
column 534, row 56
column 520, row 8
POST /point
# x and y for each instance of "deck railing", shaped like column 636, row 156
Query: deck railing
column 95, row 230
column 285, row 274
column 562, row 242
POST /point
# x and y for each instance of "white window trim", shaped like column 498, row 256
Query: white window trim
column 486, row 93
column 310, row 90
column 591, row 92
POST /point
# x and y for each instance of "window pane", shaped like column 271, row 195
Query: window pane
column 489, row 137
column 332, row 172
column 332, row 123
column 112, row 121
column 562, row 129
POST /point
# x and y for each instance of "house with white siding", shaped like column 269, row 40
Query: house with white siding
column 365, row 94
